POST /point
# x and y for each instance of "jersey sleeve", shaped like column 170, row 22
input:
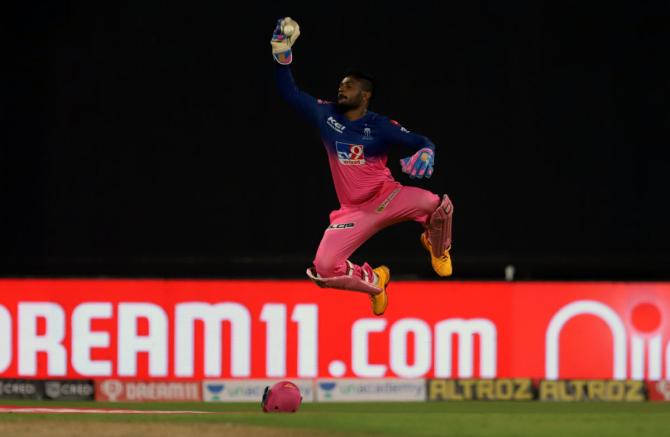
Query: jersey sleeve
column 305, row 104
column 395, row 134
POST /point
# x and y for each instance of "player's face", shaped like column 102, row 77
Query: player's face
column 350, row 95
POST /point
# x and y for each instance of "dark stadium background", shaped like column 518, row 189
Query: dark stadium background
column 148, row 138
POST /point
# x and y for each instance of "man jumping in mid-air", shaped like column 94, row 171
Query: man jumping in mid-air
column 357, row 141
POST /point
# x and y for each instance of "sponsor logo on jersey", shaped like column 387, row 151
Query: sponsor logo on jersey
column 335, row 125
column 382, row 206
column 350, row 154
column 341, row 225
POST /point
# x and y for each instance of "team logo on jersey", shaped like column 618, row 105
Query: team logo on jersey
column 335, row 125
column 350, row 154
column 367, row 133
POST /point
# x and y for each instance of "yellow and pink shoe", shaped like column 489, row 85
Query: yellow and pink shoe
column 441, row 264
column 380, row 301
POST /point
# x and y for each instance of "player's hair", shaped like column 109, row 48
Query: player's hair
column 366, row 80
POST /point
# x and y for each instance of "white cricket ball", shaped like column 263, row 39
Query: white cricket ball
column 288, row 30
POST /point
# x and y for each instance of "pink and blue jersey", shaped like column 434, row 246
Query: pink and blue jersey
column 357, row 150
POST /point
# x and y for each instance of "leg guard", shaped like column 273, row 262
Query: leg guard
column 346, row 282
column 439, row 227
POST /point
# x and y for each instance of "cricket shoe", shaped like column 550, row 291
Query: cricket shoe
column 441, row 264
column 380, row 300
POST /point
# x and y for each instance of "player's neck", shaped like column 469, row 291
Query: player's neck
column 356, row 113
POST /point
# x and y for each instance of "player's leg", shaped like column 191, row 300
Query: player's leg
column 437, row 237
column 435, row 215
column 332, row 269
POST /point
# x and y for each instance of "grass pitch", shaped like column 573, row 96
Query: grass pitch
column 351, row 419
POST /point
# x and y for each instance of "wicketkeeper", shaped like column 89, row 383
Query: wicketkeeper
column 357, row 142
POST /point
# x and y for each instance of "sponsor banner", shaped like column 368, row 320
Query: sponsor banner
column 250, row 390
column 524, row 389
column 209, row 330
column 69, row 390
column 517, row 389
column 658, row 390
column 374, row 390
column 21, row 389
column 592, row 390
column 115, row 390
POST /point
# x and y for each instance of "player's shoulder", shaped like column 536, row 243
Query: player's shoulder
column 378, row 119
column 326, row 107
column 386, row 121
column 325, row 103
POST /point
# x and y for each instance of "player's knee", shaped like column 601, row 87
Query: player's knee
column 430, row 202
column 326, row 266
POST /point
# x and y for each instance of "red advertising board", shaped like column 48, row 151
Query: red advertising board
column 658, row 390
column 193, row 330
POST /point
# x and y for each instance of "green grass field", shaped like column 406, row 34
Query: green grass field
column 379, row 419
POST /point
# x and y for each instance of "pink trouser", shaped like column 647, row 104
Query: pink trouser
column 351, row 226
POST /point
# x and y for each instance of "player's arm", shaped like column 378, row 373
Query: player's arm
column 282, row 52
column 420, row 164
column 307, row 105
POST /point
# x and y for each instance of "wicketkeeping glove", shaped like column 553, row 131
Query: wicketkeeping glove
column 283, row 37
column 420, row 164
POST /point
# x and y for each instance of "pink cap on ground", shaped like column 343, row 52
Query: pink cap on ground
column 283, row 397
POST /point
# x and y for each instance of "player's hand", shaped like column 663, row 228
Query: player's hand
column 283, row 37
column 420, row 164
